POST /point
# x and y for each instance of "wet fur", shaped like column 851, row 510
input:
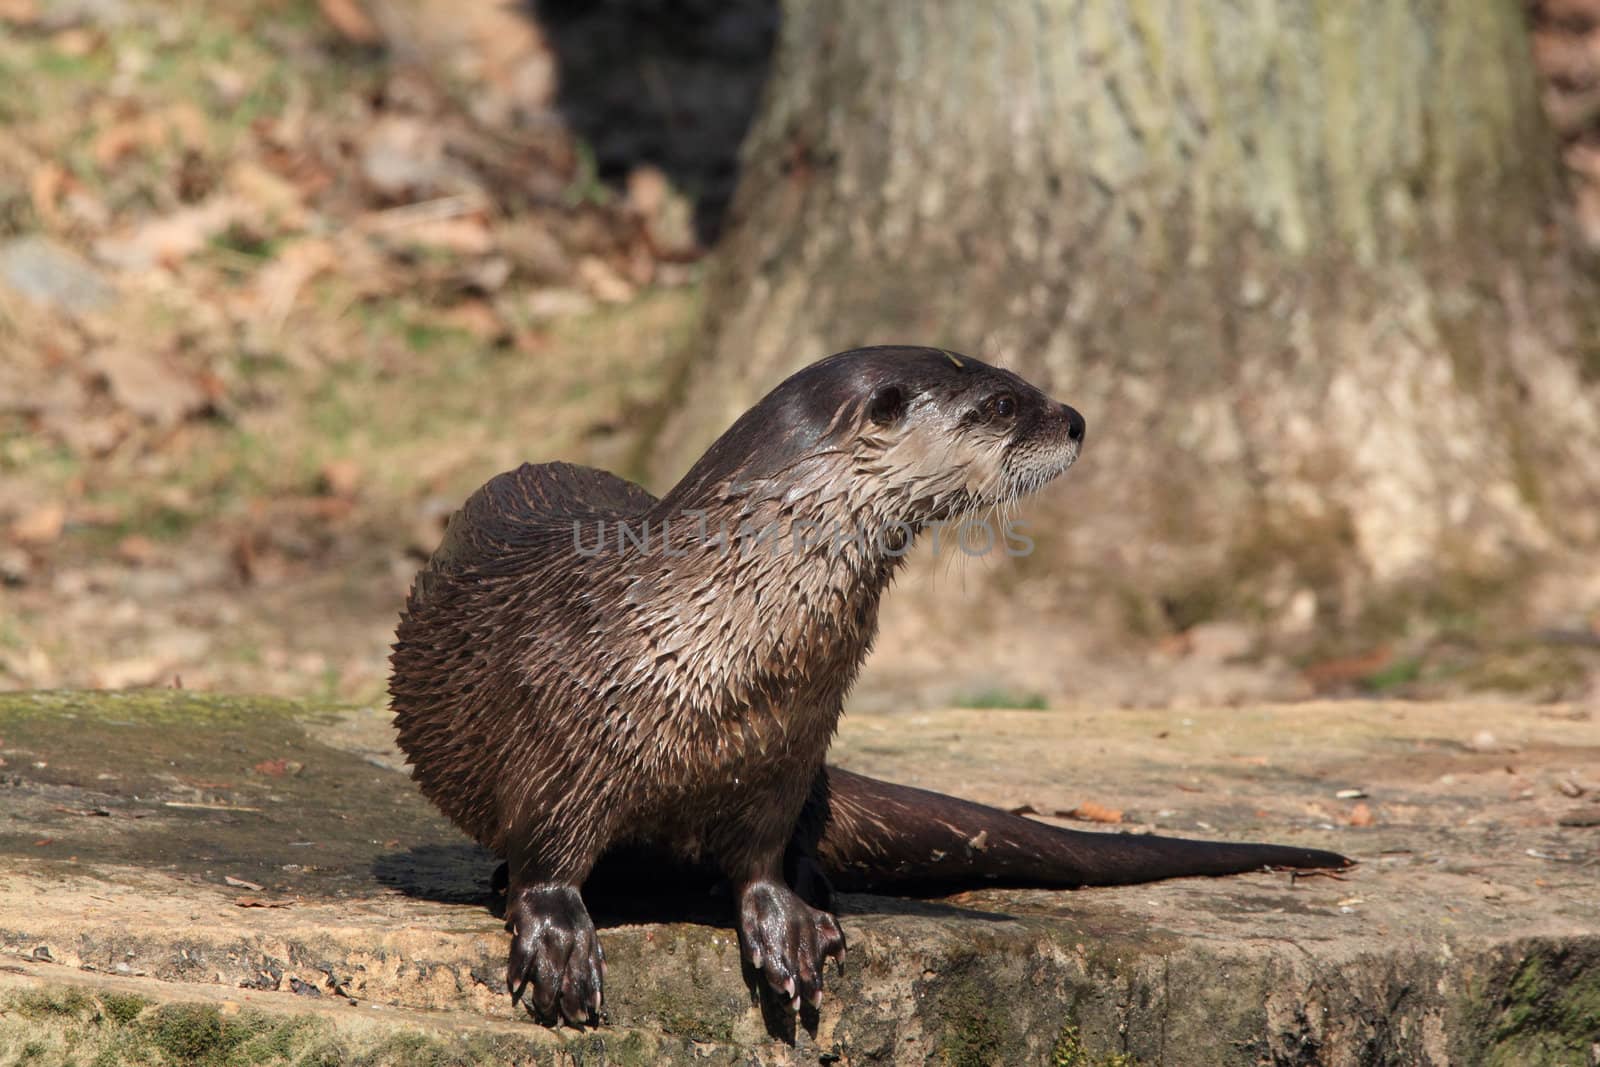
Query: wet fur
column 559, row 705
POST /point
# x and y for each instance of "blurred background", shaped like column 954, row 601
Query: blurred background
column 282, row 281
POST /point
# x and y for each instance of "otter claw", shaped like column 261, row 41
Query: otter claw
column 555, row 968
column 787, row 942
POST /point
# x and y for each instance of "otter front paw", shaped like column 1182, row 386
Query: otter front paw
column 786, row 940
column 554, row 950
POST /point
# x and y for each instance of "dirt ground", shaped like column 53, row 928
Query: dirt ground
column 272, row 302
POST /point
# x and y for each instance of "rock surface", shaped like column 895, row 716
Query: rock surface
column 203, row 879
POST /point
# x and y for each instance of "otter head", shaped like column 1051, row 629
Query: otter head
column 915, row 435
column 952, row 434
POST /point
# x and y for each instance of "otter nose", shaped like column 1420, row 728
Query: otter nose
column 1075, row 424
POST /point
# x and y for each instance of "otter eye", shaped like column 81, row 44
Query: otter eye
column 887, row 405
column 1005, row 406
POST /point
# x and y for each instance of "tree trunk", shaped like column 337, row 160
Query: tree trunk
column 1293, row 259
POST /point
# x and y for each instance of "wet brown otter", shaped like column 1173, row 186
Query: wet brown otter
column 583, row 668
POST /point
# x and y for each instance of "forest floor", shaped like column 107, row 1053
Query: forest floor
column 273, row 303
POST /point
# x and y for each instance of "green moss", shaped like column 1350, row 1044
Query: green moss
column 1545, row 1009
column 973, row 1035
column 1069, row 1052
column 148, row 707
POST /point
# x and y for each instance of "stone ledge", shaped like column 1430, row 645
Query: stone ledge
column 1470, row 934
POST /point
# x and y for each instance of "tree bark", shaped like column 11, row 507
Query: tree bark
column 1293, row 259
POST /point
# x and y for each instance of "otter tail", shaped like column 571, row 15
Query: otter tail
column 870, row 835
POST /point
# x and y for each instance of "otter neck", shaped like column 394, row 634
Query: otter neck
column 761, row 593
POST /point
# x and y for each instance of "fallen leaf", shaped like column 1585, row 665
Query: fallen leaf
column 77, row 42
column 41, row 526
column 463, row 236
column 45, row 188
column 149, row 386
column 278, row 768
column 1092, row 812
column 264, row 198
column 169, row 240
column 136, row 549
column 19, row 12
column 241, row 883
column 1335, row 672
column 119, row 141
column 1361, row 815
column 478, row 318
column 279, row 283
column 351, row 20
column 340, row 477
column 604, row 283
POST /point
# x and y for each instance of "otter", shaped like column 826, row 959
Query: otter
column 583, row 670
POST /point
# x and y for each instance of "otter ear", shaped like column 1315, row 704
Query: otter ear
column 887, row 405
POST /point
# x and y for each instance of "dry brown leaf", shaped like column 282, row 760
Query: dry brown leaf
column 477, row 318
column 171, row 239
column 340, row 477
column 266, row 198
column 241, row 883
column 351, row 20
column 119, row 141
column 1361, row 815
column 1092, row 812
column 278, row 768
column 45, row 189
column 648, row 189
column 463, row 236
column 149, row 386
column 278, row 284
column 136, row 549
column 1335, row 672
column 40, row 526
column 19, row 12
column 77, row 42
column 603, row 282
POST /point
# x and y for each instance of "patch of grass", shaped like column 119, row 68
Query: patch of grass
column 196, row 1034
column 49, row 1003
column 585, row 186
column 1399, row 673
column 122, row 1008
column 246, row 241
column 1009, row 699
